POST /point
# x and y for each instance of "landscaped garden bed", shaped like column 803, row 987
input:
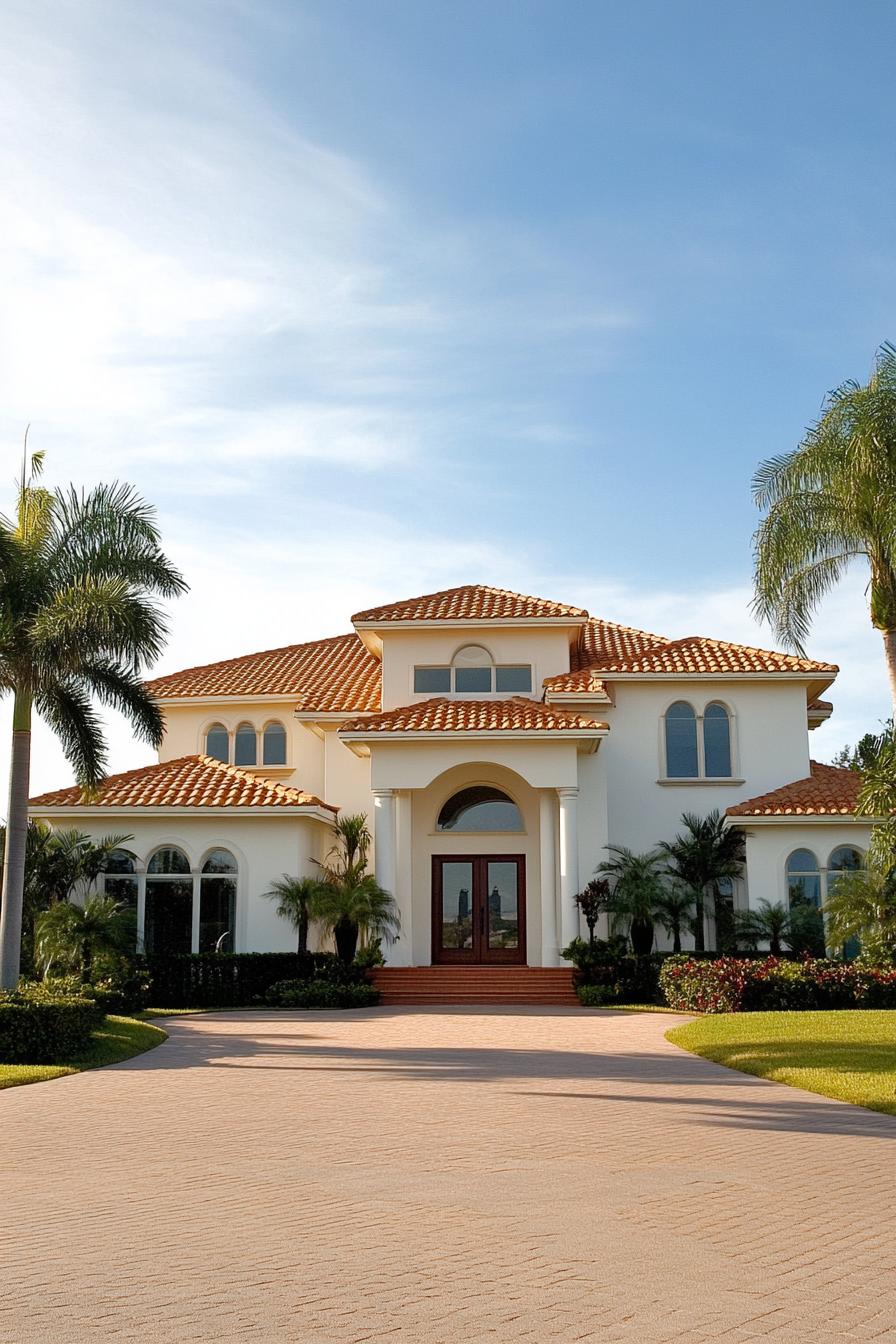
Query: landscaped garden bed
column 109, row 1042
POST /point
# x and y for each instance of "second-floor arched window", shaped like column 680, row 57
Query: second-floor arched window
column 273, row 746
column 217, row 743
column 716, row 742
column 681, row 741
column 245, row 746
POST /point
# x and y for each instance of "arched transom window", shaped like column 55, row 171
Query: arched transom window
column 697, row 746
column 480, row 808
column 473, row 671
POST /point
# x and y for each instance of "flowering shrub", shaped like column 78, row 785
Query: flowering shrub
column 732, row 985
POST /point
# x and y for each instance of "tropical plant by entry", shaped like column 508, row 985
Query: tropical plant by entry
column 829, row 502
column 593, row 900
column 349, row 902
column 674, row 909
column 700, row 857
column 71, row 937
column 295, row 898
column 861, row 905
column 78, row 623
column 798, row 927
column 638, row 883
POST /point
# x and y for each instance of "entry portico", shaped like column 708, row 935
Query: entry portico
column 475, row 826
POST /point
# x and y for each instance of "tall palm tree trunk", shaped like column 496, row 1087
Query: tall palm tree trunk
column 16, row 839
column 889, row 638
column 699, row 922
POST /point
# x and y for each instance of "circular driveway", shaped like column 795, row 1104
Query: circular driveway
column 440, row 1175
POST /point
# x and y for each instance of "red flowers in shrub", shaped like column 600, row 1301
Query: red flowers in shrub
column 732, row 985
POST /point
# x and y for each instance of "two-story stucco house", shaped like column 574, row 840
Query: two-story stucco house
column 498, row 742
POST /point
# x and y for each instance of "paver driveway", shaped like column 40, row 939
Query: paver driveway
column 440, row 1175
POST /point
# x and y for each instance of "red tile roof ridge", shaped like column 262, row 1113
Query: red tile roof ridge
column 429, row 606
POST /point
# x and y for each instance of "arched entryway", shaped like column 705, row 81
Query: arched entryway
column 479, row 897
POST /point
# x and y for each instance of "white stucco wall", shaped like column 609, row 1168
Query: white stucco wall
column 187, row 725
column 770, row 748
column 264, row 847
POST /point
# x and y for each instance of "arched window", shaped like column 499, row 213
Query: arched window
column 168, row 922
column 273, row 750
column 716, row 742
column 681, row 741
column 217, row 743
column 245, row 747
column 480, row 808
column 120, row 878
column 217, row 902
column 803, row 878
column 473, row 670
column 845, row 859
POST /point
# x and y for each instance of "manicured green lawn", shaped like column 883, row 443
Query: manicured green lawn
column 848, row 1055
column 118, row 1038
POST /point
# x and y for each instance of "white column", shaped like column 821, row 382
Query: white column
column 197, row 888
column 401, row 952
column 141, row 909
column 384, row 839
column 569, row 864
column 547, row 815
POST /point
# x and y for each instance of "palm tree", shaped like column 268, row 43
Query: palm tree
column 296, row 897
column 828, row 502
column 638, row 884
column 674, row 908
column 78, row 572
column 349, row 901
column 74, row 935
column 700, row 857
column 862, row 904
column 799, row 927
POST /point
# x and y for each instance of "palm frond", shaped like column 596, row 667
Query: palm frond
column 68, row 711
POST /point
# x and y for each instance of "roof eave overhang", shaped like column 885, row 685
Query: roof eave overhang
column 270, row 699
column 312, row 813
column 585, row 739
column 801, row 818
column 575, row 697
column 371, row 633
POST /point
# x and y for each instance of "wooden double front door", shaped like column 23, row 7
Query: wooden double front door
column 479, row 908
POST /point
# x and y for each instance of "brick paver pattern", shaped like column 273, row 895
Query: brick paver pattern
column 440, row 1175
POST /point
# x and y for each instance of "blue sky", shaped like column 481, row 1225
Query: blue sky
column 373, row 297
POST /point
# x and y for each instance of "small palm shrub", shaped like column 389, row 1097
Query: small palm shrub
column 75, row 937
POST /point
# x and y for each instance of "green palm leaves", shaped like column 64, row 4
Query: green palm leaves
column 828, row 502
column 700, row 857
column 81, row 578
column 71, row 937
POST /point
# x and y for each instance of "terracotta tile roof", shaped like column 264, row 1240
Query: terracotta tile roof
column 820, row 706
column 473, row 716
column 472, row 602
column 605, row 642
column 696, row 654
column 828, row 791
column 326, row 675
column 188, row 781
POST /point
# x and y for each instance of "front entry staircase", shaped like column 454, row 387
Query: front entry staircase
column 493, row 985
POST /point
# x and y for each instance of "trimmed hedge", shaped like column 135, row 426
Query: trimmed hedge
column 37, row 1027
column 239, row 980
column 321, row 994
column 734, row 985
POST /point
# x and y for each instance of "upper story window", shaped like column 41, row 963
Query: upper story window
column 697, row 746
column 473, row 672
column 245, row 745
column 217, row 743
column 273, row 750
